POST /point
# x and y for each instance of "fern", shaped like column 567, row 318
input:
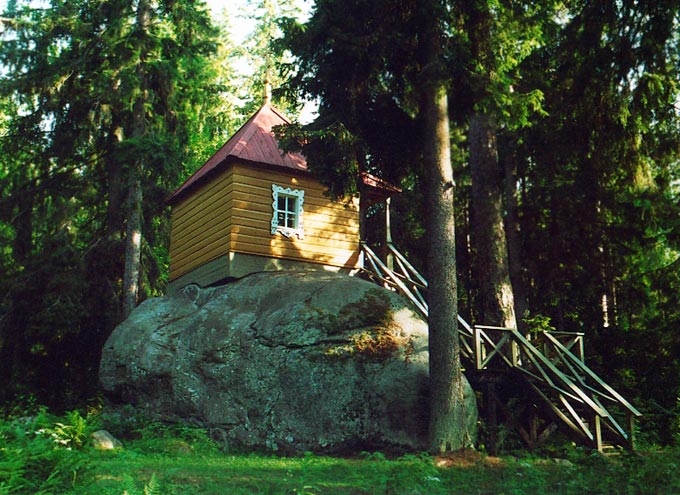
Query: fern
column 152, row 487
column 128, row 484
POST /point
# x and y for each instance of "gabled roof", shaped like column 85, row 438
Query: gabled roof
column 253, row 142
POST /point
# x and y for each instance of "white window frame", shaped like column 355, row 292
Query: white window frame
column 299, row 196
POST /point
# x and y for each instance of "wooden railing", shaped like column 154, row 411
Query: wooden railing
column 406, row 279
column 572, row 341
column 575, row 393
column 552, row 363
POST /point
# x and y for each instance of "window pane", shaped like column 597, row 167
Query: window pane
column 286, row 214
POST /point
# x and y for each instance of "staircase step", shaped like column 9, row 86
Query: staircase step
column 609, row 449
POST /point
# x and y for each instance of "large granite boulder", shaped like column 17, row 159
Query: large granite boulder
column 292, row 361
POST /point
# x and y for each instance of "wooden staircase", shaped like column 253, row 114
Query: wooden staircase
column 559, row 388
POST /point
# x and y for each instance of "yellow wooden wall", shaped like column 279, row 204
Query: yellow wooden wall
column 200, row 225
column 331, row 229
column 233, row 212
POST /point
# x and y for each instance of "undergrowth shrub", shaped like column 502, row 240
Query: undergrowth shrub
column 164, row 438
column 40, row 454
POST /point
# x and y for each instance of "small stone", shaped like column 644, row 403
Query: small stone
column 103, row 440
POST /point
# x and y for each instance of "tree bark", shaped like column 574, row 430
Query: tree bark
column 22, row 245
column 514, row 240
column 133, row 248
column 133, row 230
column 114, row 213
column 447, row 428
column 494, row 301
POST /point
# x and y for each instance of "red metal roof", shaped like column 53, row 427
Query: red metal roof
column 379, row 184
column 253, row 142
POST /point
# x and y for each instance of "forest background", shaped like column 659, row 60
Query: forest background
column 107, row 106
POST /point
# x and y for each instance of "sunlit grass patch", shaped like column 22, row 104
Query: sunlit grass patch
column 42, row 454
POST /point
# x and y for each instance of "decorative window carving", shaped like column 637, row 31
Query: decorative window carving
column 287, row 211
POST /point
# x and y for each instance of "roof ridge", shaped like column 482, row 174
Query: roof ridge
column 255, row 142
column 278, row 112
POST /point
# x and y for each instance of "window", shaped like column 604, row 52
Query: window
column 287, row 216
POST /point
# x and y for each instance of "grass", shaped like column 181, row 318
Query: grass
column 188, row 473
column 47, row 455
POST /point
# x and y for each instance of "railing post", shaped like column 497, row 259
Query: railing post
column 631, row 430
column 389, row 257
column 514, row 349
column 533, row 429
column 479, row 359
column 598, row 433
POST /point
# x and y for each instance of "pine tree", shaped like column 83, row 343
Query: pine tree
column 382, row 90
column 265, row 55
column 103, row 100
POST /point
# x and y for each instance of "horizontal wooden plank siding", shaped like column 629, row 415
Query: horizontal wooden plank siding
column 338, row 231
column 196, row 242
column 203, row 193
column 206, row 274
column 200, row 226
column 331, row 229
column 233, row 213
column 333, row 257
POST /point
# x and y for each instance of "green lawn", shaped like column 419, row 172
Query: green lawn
column 190, row 472
column 52, row 457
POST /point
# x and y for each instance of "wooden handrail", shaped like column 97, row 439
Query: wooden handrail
column 380, row 266
column 597, row 379
column 410, row 267
column 564, row 375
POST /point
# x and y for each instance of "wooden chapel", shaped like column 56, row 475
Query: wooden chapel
column 251, row 207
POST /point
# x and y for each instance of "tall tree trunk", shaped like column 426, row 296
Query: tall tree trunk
column 114, row 217
column 448, row 427
column 14, row 324
column 133, row 231
column 133, row 247
column 512, row 231
column 494, row 301
column 608, row 299
column 22, row 222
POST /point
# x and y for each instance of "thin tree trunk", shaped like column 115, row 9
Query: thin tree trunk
column 14, row 324
column 448, row 428
column 494, row 300
column 22, row 222
column 133, row 233
column 133, row 248
column 114, row 224
column 512, row 231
